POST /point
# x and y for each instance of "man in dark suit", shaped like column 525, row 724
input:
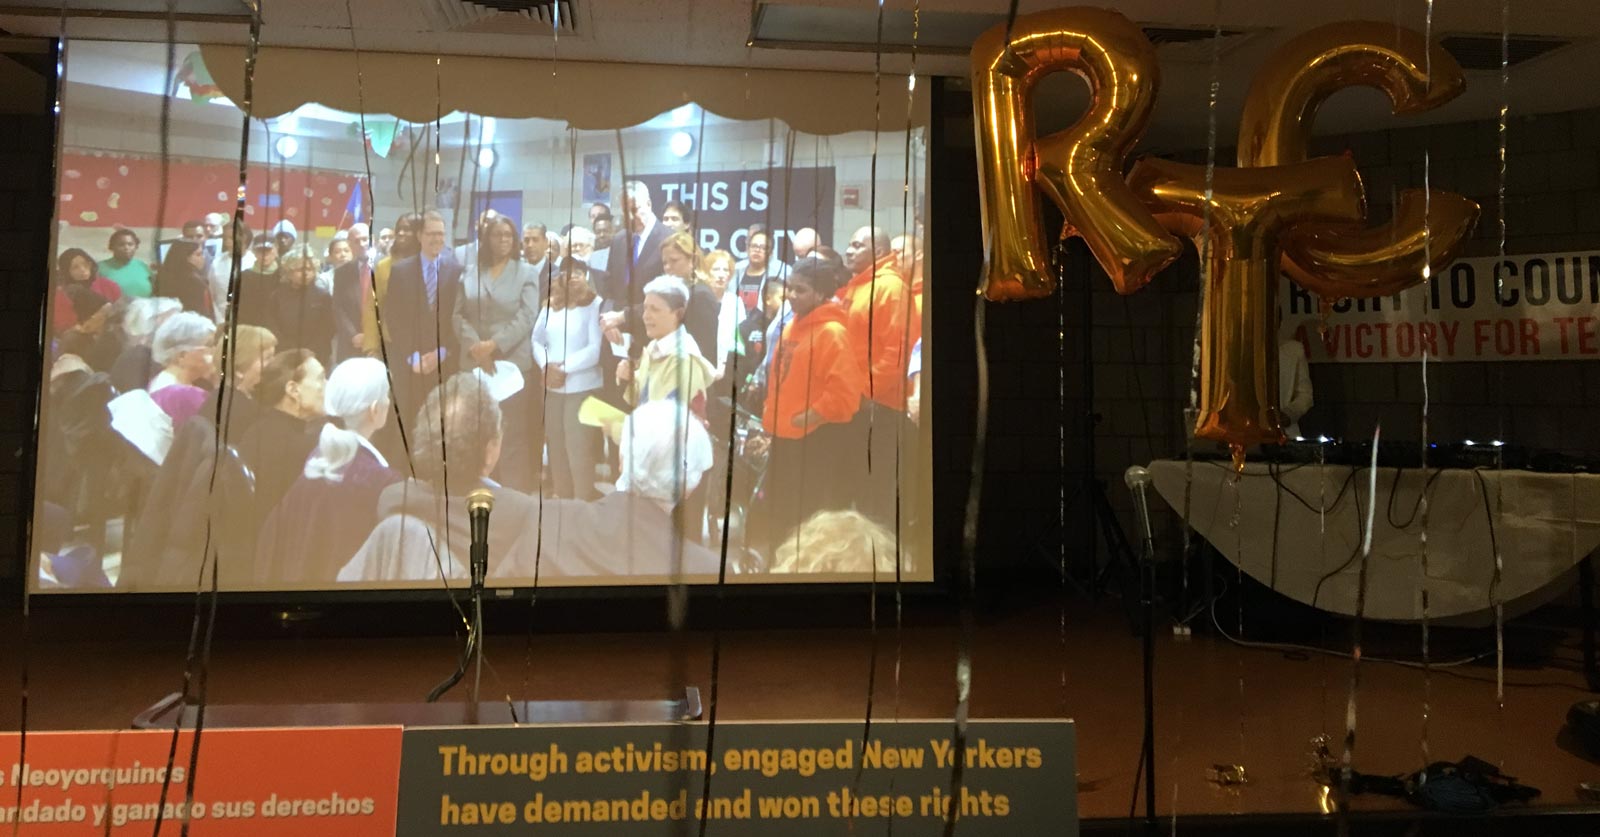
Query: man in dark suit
column 418, row 308
column 349, row 279
column 635, row 257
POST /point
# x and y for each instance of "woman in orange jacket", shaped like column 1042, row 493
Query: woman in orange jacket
column 815, row 393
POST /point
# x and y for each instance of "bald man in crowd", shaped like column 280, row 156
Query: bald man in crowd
column 881, row 322
column 803, row 242
column 907, row 251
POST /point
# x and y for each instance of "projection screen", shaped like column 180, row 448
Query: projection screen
column 672, row 318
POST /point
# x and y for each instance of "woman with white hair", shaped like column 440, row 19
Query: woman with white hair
column 333, row 505
column 558, row 249
column 639, row 529
column 671, row 366
column 135, row 365
column 182, row 348
column 580, row 243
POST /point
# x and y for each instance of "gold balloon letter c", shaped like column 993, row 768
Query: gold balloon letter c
column 1429, row 226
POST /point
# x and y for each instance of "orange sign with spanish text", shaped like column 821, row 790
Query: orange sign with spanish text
column 246, row 783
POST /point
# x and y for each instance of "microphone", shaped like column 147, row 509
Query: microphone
column 1137, row 479
column 479, row 503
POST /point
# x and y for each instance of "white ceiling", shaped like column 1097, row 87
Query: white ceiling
column 714, row 33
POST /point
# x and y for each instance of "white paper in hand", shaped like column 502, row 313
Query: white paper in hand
column 505, row 382
column 143, row 423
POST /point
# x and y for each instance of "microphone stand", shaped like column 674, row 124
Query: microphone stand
column 479, row 502
column 1138, row 479
column 480, row 569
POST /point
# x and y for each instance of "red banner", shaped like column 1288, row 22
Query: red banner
column 247, row 783
column 120, row 190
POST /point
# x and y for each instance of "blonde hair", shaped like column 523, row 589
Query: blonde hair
column 683, row 242
column 720, row 256
column 250, row 344
column 839, row 542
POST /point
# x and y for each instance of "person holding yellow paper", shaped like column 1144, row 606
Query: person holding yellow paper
column 671, row 366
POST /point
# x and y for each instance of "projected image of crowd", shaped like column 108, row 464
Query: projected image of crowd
column 635, row 403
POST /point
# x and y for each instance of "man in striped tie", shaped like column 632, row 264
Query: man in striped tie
column 418, row 310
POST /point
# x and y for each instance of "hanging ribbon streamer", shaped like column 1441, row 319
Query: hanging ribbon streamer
column 370, row 198
column 967, row 577
column 548, row 280
column 967, row 574
column 1193, row 410
column 1427, row 229
column 872, row 311
column 1500, row 371
column 699, row 522
column 1347, row 761
column 911, row 243
column 197, row 663
column 169, row 81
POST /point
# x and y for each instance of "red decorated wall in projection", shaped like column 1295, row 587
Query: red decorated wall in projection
column 119, row 190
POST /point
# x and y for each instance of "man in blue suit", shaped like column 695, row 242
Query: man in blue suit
column 418, row 310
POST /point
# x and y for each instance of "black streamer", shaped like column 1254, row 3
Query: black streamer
column 377, row 304
column 205, row 606
column 722, row 562
column 967, row 580
column 872, row 310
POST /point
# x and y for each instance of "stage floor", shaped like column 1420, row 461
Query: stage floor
column 1217, row 702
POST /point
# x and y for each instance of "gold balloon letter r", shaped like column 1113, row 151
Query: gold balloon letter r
column 1080, row 168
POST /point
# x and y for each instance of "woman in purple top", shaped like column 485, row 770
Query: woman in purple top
column 180, row 401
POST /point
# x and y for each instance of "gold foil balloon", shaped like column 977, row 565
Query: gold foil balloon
column 1383, row 260
column 1249, row 212
column 1428, row 227
column 1080, row 168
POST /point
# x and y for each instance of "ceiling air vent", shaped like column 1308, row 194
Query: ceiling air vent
column 547, row 11
column 189, row 11
column 806, row 26
column 1164, row 35
column 1194, row 44
column 1482, row 52
column 510, row 17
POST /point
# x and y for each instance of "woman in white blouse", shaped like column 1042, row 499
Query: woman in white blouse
column 730, row 311
column 566, row 345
